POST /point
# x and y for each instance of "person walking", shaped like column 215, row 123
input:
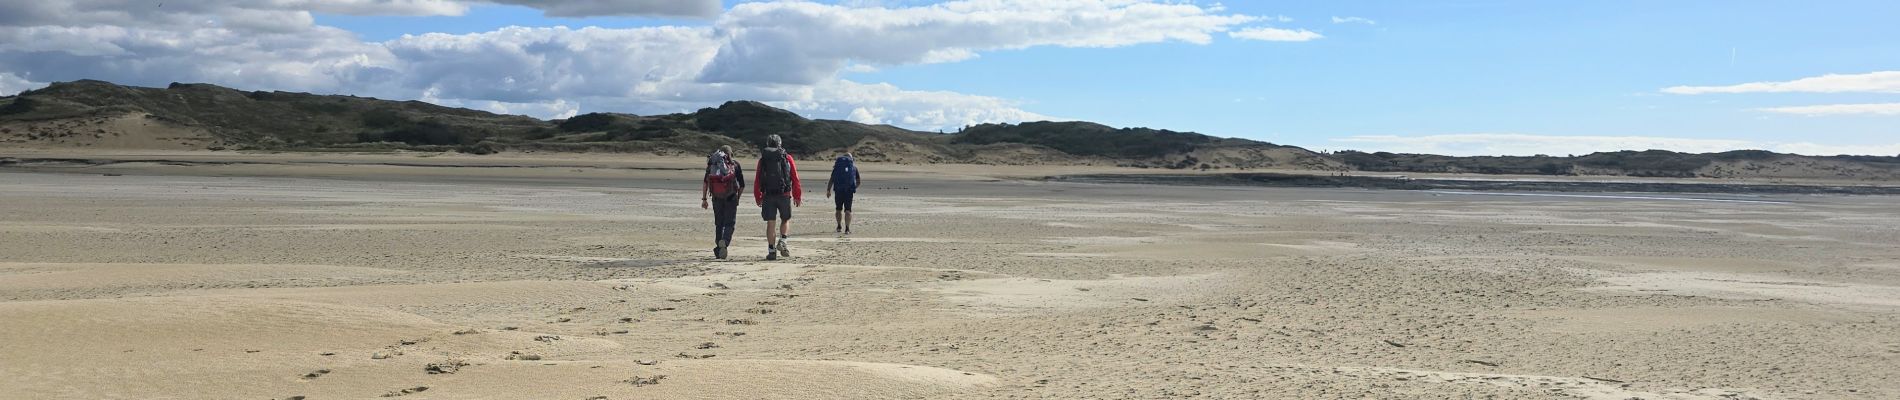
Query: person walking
column 724, row 181
column 776, row 189
column 844, row 181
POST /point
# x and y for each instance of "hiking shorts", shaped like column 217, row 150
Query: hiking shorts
column 776, row 208
column 843, row 200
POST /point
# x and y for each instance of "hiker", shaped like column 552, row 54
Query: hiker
column 724, row 180
column 844, row 181
column 775, row 188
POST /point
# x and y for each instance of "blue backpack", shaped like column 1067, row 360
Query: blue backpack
column 844, row 175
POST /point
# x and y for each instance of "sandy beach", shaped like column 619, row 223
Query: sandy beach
column 350, row 277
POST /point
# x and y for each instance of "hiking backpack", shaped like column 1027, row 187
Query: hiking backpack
column 775, row 176
column 722, row 174
column 844, row 175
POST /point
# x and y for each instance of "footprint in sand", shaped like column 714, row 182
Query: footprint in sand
column 406, row 392
column 445, row 367
column 316, row 374
column 645, row 380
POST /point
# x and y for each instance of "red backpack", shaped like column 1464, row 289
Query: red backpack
column 721, row 174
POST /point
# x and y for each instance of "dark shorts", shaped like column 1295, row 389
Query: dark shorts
column 776, row 207
column 843, row 200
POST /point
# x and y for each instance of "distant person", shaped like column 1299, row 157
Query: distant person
column 844, row 181
column 776, row 189
column 724, row 181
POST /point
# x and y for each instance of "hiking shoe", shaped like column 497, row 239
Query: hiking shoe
column 719, row 252
column 771, row 255
column 782, row 250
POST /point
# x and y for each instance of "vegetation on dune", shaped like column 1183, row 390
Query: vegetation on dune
column 1395, row 162
column 300, row 121
column 1087, row 138
column 273, row 119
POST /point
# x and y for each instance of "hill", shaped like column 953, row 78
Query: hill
column 1651, row 163
column 200, row 116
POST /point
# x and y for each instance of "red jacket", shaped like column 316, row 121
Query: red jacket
column 798, row 192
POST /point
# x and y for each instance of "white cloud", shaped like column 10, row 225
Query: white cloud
column 864, row 116
column 1354, row 20
column 804, row 43
column 518, row 64
column 1496, row 144
column 888, row 104
column 1837, row 109
column 1275, row 34
column 550, row 109
column 1872, row 82
column 11, row 84
column 204, row 13
column 316, row 58
column 147, row 13
column 1831, row 149
column 785, row 53
column 598, row 8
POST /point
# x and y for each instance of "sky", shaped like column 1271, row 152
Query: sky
column 1460, row 77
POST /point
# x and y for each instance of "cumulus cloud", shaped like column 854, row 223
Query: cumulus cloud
column 551, row 109
column 1872, row 82
column 1354, row 20
column 518, row 64
column 314, row 59
column 147, row 13
column 1838, row 109
column 201, row 13
column 1481, row 144
column 1832, row 149
column 883, row 103
column 11, row 84
column 785, row 53
column 1275, row 34
column 804, row 43
column 597, row 8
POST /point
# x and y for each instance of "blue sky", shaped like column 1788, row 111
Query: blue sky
column 1461, row 77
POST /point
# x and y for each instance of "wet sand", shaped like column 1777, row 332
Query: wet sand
column 592, row 277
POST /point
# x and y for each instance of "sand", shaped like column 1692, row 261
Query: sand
column 363, row 276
